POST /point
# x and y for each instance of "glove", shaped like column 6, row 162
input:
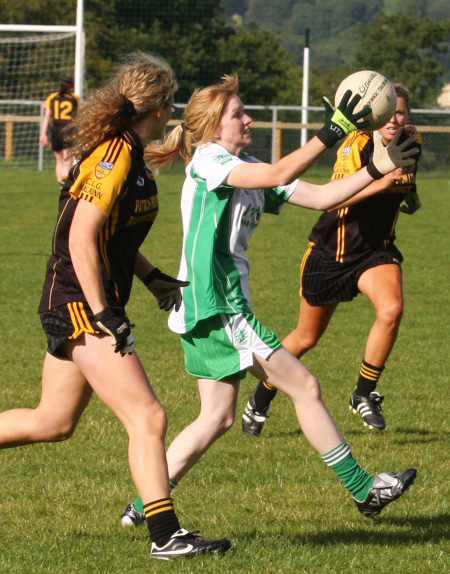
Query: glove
column 411, row 203
column 342, row 120
column 116, row 327
column 166, row 289
column 387, row 158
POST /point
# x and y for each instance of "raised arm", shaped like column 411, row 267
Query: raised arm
column 338, row 123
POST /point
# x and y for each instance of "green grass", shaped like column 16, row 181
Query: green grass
column 283, row 509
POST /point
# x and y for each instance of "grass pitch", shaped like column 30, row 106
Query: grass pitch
column 284, row 511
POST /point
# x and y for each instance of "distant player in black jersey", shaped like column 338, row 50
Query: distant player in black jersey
column 107, row 207
column 60, row 108
column 352, row 251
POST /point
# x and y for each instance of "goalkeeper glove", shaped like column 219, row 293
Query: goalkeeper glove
column 387, row 158
column 342, row 120
column 166, row 289
column 411, row 203
column 116, row 327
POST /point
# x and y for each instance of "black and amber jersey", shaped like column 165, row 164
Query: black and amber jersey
column 115, row 179
column 63, row 107
column 350, row 232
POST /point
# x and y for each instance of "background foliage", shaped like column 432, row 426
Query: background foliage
column 262, row 41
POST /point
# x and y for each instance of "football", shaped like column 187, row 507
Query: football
column 376, row 91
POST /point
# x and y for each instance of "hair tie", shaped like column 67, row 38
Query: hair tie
column 127, row 106
column 184, row 127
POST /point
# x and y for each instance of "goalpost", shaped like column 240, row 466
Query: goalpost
column 33, row 61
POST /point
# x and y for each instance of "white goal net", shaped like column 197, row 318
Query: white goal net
column 32, row 65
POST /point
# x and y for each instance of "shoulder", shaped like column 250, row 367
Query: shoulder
column 50, row 98
column 355, row 145
column 214, row 152
column 214, row 156
column 357, row 139
column 111, row 156
column 412, row 131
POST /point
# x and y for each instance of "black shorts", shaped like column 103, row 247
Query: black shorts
column 64, row 323
column 58, row 142
column 325, row 281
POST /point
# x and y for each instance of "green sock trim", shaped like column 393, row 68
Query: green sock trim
column 355, row 479
column 138, row 505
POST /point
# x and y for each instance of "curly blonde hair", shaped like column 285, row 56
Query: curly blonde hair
column 201, row 120
column 142, row 84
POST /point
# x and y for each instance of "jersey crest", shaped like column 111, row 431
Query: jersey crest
column 103, row 169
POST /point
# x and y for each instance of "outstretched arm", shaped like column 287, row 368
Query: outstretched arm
column 336, row 192
column 373, row 188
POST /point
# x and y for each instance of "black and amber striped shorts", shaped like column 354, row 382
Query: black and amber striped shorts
column 64, row 323
column 325, row 281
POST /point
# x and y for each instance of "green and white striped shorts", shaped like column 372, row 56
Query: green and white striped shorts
column 222, row 346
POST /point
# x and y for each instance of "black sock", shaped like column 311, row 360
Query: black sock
column 368, row 379
column 161, row 520
column 263, row 395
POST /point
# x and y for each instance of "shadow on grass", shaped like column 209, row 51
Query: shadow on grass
column 416, row 530
column 415, row 435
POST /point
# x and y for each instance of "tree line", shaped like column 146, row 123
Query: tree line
column 204, row 39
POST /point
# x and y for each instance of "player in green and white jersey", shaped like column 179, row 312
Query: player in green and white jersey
column 223, row 198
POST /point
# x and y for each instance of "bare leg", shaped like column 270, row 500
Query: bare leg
column 287, row 374
column 121, row 383
column 65, row 395
column 217, row 414
column 382, row 285
column 312, row 324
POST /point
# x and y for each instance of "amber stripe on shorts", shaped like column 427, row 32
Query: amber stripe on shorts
column 80, row 321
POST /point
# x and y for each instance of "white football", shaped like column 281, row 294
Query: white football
column 376, row 91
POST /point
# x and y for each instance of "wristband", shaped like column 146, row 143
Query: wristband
column 328, row 137
column 151, row 276
column 373, row 172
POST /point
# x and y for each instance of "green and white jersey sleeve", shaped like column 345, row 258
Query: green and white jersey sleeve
column 218, row 221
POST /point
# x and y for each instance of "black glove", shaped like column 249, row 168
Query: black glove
column 342, row 120
column 118, row 328
column 411, row 203
column 166, row 289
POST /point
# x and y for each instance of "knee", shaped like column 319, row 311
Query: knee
column 391, row 313
column 155, row 420
column 303, row 341
column 55, row 431
column 312, row 387
column 308, row 390
column 219, row 422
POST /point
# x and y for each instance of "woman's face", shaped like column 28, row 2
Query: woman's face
column 234, row 127
column 398, row 120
